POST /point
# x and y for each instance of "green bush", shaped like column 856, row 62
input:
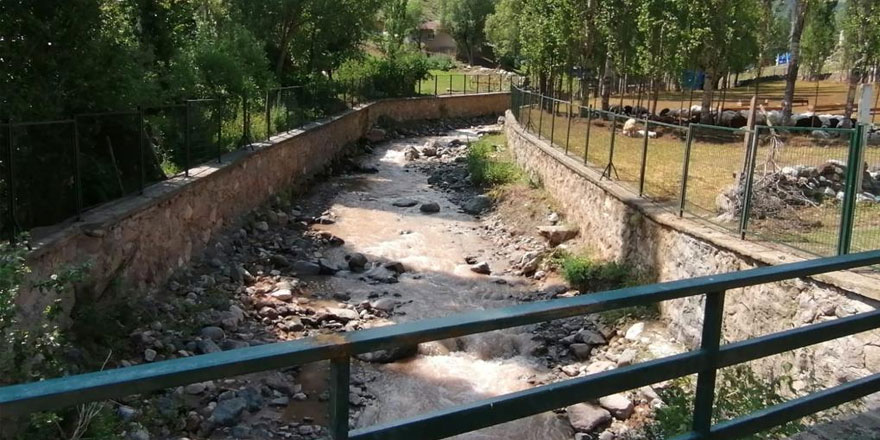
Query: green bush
column 586, row 274
column 440, row 62
column 486, row 168
column 374, row 77
column 739, row 391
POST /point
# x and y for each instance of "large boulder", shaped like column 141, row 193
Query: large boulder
column 587, row 417
column 558, row 234
column 477, row 204
column 376, row 135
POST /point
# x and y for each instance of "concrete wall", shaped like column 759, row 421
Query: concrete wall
column 619, row 226
column 140, row 241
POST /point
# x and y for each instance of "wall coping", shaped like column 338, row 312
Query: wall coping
column 862, row 283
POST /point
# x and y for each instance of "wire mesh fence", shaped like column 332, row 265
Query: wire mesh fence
column 800, row 192
column 52, row 171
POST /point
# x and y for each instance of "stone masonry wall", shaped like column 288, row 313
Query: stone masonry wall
column 617, row 225
column 139, row 241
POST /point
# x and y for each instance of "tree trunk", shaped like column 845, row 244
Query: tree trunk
column 794, row 47
column 855, row 77
column 706, row 105
column 606, row 84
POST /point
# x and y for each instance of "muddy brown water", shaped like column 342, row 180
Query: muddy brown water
column 438, row 282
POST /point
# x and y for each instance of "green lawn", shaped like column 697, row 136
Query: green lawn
column 452, row 82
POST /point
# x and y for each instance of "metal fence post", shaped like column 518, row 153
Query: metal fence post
column 436, row 80
column 553, row 107
column 464, row 86
column 77, row 182
column 610, row 167
column 685, row 167
column 587, row 134
column 568, row 130
column 340, row 375
column 541, row 116
column 851, row 191
column 450, row 84
column 268, row 117
column 186, row 138
column 747, row 184
column 220, row 110
column 713, row 317
column 141, row 168
column 644, row 160
column 10, row 178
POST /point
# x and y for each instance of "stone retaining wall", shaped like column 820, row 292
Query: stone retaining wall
column 138, row 242
column 617, row 225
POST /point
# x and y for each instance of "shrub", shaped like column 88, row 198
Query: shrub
column 739, row 391
column 440, row 62
column 375, row 77
column 486, row 168
column 586, row 274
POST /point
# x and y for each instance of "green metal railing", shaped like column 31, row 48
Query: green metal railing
column 23, row 399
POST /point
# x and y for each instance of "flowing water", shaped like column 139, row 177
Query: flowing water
column 437, row 283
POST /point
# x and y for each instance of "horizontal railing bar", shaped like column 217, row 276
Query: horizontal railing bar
column 60, row 392
column 489, row 412
column 742, row 130
column 795, row 128
column 668, row 125
column 756, row 348
column 38, row 123
column 795, row 409
column 113, row 113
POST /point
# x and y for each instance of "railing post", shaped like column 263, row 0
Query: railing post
column 610, row 167
column 10, row 178
column 141, row 141
column 587, row 134
column 749, row 181
column 540, row 115
column 268, row 117
column 220, row 110
column 685, row 168
column 851, row 191
column 713, row 317
column 186, row 138
column 77, row 173
column 340, row 375
column 568, row 130
column 644, row 160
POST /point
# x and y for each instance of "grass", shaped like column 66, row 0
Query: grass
column 489, row 164
column 717, row 156
column 589, row 275
column 452, row 82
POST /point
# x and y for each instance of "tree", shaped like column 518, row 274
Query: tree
column 720, row 34
column 818, row 41
column 860, row 23
column 616, row 21
column 798, row 16
column 401, row 19
column 504, row 32
column 466, row 21
column 661, row 23
column 73, row 56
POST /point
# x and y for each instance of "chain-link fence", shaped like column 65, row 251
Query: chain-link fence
column 800, row 190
